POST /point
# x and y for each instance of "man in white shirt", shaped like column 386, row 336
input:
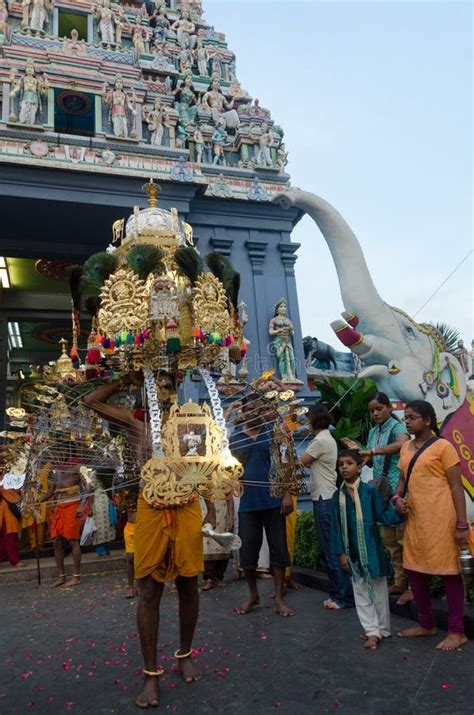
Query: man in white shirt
column 321, row 457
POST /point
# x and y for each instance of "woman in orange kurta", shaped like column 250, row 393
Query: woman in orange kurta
column 433, row 503
column 10, row 527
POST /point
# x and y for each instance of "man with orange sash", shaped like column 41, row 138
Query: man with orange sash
column 168, row 546
column 10, row 526
column 65, row 523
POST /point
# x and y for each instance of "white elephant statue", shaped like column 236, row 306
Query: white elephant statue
column 407, row 360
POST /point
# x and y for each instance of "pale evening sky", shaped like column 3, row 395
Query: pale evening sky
column 375, row 101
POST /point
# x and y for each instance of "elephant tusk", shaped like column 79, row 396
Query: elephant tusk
column 351, row 319
column 350, row 337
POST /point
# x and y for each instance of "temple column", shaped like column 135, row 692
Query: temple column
column 138, row 121
column 256, row 251
column 5, row 102
column 55, row 28
column 98, row 115
column 50, row 120
column 288, row 258
column 90, row 28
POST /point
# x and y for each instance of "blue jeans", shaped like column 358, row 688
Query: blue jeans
column 340, row 584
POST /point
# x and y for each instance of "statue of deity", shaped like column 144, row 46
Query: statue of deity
column 37, row 18
column 202, row 58
column 119, row 103
column 218, row 139
column 263, row 155
column 192, row 442
column 281, row 329
column 220, row 108
column 105, row 15
column 139, row 36
column 157, row 120
column 161, row 24
column 198, row 145
column 4, row 28
column 216, row 63
column 282, row 158
column 31, row 90
column 185, row 28
column 185, row 105
column 185, row 57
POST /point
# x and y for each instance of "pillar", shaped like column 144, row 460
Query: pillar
column 3, row 366
column 90, row 28
column 6, row 102
column 256, row 251
column 55, row 28
column 98, row 115
column 50, row 120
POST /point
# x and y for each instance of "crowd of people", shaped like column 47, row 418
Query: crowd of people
column 406, row 524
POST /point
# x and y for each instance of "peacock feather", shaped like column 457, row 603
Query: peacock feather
column 223, row 269
column 145, row 260
column 76, row 286
column 189, row 263
column 98, row 268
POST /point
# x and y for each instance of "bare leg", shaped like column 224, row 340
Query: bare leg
column 188, row 595
column 280, row 606
column 76, row 561
column 254, row 600
column 132, row 585
column 59, row 558
column 148, row 621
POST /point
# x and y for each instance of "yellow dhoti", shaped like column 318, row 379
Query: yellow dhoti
column 290, row 522
column 168, row 542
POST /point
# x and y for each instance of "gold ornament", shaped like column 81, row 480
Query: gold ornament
column 124, row 303
column 193, row 464
column 16, row 413
column 210, row 306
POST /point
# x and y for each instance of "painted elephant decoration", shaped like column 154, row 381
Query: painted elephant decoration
column 315, row 349
column 407, row 360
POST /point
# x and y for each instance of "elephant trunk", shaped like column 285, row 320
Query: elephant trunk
column 358, row 291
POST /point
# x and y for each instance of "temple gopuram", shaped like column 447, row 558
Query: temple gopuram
column 98, row 97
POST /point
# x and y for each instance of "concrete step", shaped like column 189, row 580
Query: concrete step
column 90, row 564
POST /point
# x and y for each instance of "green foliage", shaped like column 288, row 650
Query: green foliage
column 351, row 414
column 450, row 335
column 307, row 553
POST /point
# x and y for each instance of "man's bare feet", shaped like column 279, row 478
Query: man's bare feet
column 372, row 642
column 264, row 575
column 331, row 605
column 406, row 597
column 248, row 606
column 60, row 581
column 207, row 585
column 221, row 584
column 281, row 609
column 74, row 581
column 188, row 670
column 417, row 632
column 289, row 583
column 132, row 591
column 453, row 641
column 150, row 695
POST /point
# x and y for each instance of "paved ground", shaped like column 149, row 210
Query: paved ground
column 78, row 651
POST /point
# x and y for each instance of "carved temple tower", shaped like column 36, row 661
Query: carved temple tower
column 97, row 96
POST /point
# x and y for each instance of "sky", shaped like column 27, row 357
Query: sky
column 375, row 99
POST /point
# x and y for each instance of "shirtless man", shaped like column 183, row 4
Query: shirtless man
column 157, row 556
column 65, row 520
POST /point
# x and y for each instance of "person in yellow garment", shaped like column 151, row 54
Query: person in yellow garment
column 129, row 539
column 10, row 526
column 168, row 546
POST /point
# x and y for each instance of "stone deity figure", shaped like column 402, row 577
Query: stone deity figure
column 185, row 56
column 218, row 138
column 198, row 145
column 74, row 46
column 4, row 29
column 119, row 103
column 157, row 120
column 263, row 155
column 185, row 28
column 139, row 36
column 192, row 442
column 162, row 24
column 220, row 108
column 282, row 158
column 185, row 105
column 202, row 57
column 281, row 330
column 104, row 14
column 31, row 90
column 35, row 15
column 216, row 63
